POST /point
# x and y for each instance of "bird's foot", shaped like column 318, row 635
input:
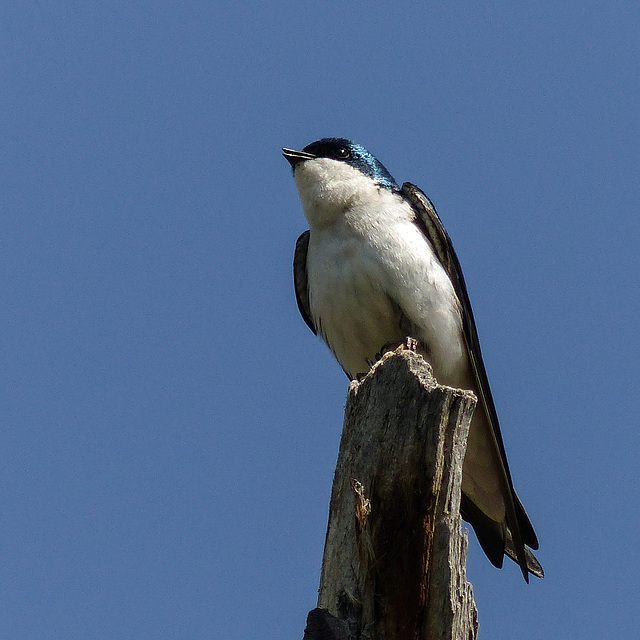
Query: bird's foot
column 410, row 344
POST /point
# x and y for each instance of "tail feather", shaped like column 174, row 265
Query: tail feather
column 495, row 537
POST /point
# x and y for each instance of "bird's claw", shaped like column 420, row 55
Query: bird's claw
column 410, row 344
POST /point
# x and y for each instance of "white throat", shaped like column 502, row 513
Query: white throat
column 329, row 188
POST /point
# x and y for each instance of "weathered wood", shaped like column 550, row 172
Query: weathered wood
column 395, row 554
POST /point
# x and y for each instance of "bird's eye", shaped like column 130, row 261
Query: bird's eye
column 343, row 153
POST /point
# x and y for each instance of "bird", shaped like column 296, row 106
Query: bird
column 377, row 267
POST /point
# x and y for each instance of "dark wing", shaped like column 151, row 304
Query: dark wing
column 300, row 281
column 430, row 224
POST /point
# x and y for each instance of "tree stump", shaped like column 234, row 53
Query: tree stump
column 395, row 554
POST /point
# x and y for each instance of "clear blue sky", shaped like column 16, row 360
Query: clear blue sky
column 169, row 425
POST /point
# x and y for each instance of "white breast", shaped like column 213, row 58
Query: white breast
column 368, row 268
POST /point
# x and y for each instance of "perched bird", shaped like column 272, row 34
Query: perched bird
column 377, row 266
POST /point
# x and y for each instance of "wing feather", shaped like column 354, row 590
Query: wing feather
column 430, row 224
column 300, row 280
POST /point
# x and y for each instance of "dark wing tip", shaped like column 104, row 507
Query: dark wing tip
column 496, row 541
column 529, row 536
column 533, row 566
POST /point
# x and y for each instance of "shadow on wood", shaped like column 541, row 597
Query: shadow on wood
column 394, row 558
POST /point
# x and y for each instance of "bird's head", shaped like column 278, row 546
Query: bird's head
column 333, row 173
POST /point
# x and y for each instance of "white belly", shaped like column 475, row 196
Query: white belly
column 363, row 289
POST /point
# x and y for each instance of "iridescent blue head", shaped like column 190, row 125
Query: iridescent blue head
column 345, row 151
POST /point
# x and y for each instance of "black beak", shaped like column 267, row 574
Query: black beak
column 295, row 157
